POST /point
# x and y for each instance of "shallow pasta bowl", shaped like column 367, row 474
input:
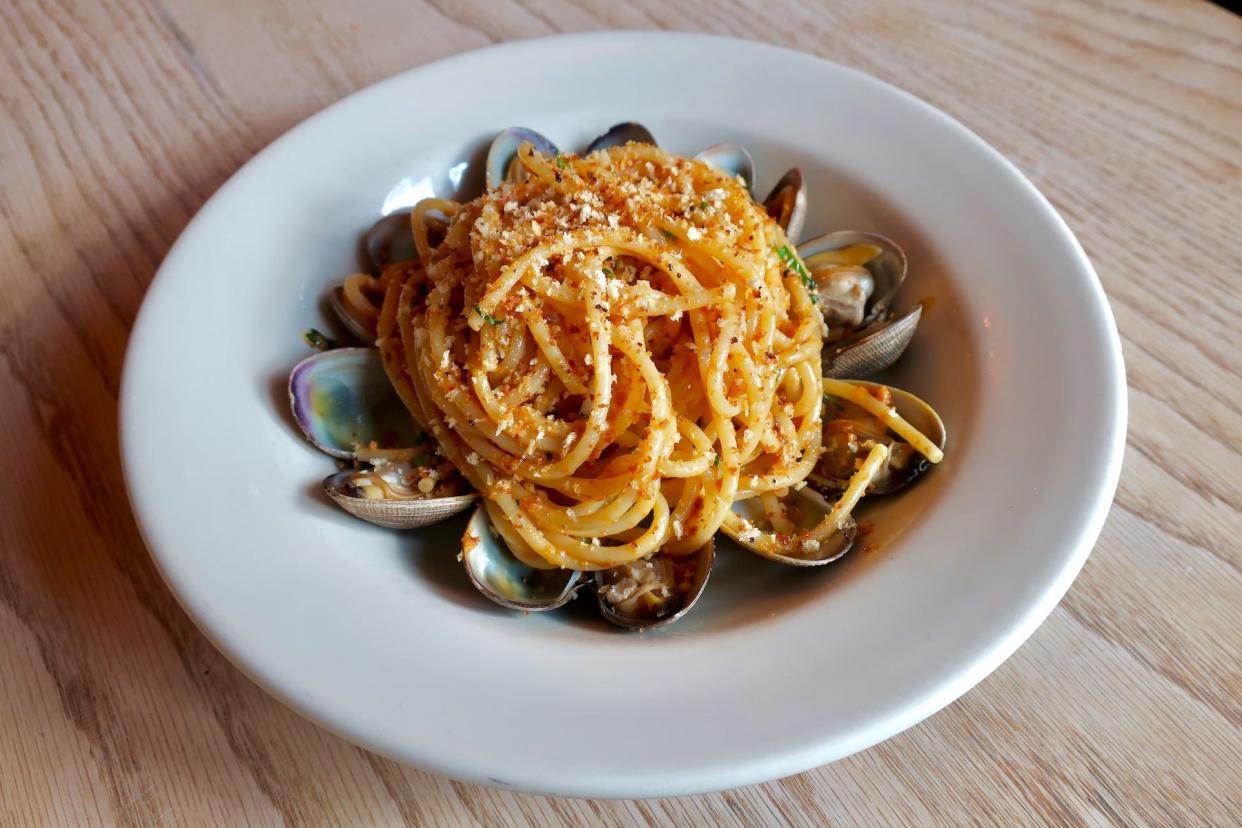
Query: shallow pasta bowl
column 379, row 636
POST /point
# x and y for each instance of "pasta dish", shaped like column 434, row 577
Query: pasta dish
column 623, row 353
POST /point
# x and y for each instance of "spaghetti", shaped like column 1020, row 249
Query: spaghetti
column 612, row 349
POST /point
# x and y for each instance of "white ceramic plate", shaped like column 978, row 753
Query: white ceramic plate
column 378, row 636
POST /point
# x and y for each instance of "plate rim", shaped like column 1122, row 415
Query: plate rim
column 964, row 674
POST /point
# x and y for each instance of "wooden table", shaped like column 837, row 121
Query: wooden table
column 119, row 119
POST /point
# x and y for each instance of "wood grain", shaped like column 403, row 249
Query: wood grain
column 118, row 119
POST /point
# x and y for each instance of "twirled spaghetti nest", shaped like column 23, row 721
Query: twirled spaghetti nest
column 612, row 350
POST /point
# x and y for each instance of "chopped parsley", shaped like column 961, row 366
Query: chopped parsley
column 669, row 234
column 833, row 400
column 716, row 461
column 317, row 340
column 561, row 163
column 608, row 272
column 704, row 204
column 792, row 262
column 487, row 317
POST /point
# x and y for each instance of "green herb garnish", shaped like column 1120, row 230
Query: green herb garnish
column 833, row 400
column 608, row 272
column 561, row 163
column 792, row 262
column 487, row 317
column 716, row 461
column 317, row 340
column 669, row 234
column 704, row 204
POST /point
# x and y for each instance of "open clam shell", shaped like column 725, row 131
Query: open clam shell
column 359, row 331
column 875, row 266
column 342, row 399
column 917, row 413
column 787, row 203
column 501, row 577
column 886, row 262
column 503, row 153
column 873, row 348
column 391, row 239
column 733, row 159
column 394, row 514
column 621, row 134
column 813, row 508
column 688, row 574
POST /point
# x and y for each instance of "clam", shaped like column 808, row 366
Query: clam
column 732, row 159
column 656, row 591
column 387, row 241
column 502, row 577
column 503, row 153
column 804, row 510
column 342, row 400
column 638, row 596
column 621, row 134
column 787, row 203
column 345, row 405
column 849, row 251
column 857, row 275
column 873, row 348
column 359, row 331
column 848, row 430
column 391, row 239
column 393, row 514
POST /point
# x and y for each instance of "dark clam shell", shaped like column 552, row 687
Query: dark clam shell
column 733, row 159
column 787, row 203
column 702, row 561
column 503, row 152
column 620, row 134
column 501, row 577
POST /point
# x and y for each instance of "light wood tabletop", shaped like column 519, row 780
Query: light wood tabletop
column 117, row 121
